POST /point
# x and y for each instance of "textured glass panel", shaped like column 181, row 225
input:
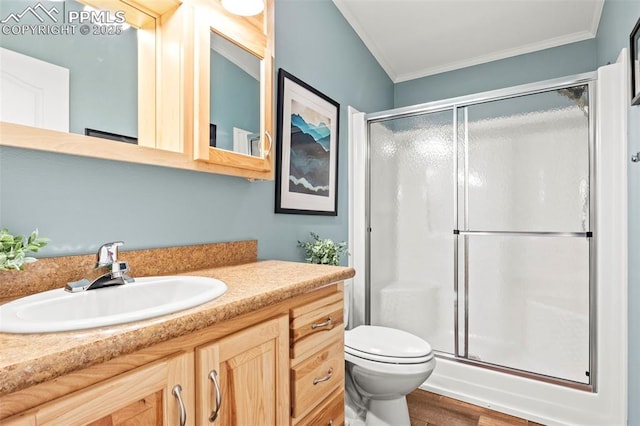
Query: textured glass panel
column 411, row 267
column 528, row 163
column 529, row 304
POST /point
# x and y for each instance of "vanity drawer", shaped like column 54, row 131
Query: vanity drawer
column 317, row 376
column 329, row 413
column 312, row 324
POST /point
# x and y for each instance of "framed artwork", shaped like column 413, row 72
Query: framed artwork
column 307, row 149
column 634, row 43
column 111, row 136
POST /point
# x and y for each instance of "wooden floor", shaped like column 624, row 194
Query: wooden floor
column 426, row 408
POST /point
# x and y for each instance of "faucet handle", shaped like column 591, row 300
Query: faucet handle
column 108, row 254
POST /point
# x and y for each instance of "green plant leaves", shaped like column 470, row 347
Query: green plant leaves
column 323, row 251
column 13, row 249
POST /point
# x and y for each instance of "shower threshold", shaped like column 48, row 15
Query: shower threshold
column 475, row 361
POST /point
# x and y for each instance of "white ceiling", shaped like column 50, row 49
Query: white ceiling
column 416, row 38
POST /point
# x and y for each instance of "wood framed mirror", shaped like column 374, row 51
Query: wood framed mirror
column 107, row 56
column 233, row 103
column 174, row 41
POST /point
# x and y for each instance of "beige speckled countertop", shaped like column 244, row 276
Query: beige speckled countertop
column 30, row 359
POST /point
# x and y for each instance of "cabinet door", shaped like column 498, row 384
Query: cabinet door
column 251, row 369
column 144, row 396
column 239, row 73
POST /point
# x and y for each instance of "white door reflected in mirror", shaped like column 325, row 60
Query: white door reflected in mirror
column 101, row 65
column 34, row 93
column 245, row 142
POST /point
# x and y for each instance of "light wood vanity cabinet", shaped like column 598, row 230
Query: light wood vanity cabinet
column 317, row 362
column 144, row 396
column 281, row 365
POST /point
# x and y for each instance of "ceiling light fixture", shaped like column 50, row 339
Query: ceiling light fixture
column 243, row 7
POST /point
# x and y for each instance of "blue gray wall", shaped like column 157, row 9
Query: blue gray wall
column 618, row 18
column 82, row 202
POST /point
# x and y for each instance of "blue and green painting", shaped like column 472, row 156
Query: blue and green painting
column 309, row 165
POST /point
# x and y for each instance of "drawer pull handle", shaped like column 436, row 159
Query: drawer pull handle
column 213, row 375
column 325, row 378
column 183, row 411
column 330, row 423
column 327, row 323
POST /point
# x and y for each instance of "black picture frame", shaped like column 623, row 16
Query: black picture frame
column 111, row 136
column 634, row 49
column 308, row 127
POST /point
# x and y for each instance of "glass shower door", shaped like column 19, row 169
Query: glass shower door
column 524, row 197
column 411, row 220
column 480, row 232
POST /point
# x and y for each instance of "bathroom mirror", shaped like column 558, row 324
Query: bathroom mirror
column 174, row 125
column 234, row 85
column 81, row 73
column 234, row 98
column 163, row 134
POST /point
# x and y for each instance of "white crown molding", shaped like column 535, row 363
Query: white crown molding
column 366, row 39
column 508, row 53
column 396, row 77
column 597, row 14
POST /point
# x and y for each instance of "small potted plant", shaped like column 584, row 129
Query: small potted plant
column 14, row 249
column 323, row 250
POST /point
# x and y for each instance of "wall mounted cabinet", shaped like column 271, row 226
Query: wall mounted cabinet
column 174, row 92
column 247, row 45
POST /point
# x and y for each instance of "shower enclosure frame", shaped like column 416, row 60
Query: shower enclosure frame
column 461, row 292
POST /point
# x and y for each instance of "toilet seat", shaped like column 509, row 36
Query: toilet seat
column 386, row 345
column 387, row 359
column 390, row 368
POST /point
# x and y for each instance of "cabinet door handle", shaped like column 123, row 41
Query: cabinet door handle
column 183, row 411
column 213, row 375
column 270, row 139
column 326, row 323
column 325, row 378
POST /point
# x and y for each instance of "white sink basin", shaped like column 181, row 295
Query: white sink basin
column 148, row 297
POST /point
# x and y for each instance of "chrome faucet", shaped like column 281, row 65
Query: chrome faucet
column 106, row 257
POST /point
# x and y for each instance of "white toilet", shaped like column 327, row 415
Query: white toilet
column 383, row 365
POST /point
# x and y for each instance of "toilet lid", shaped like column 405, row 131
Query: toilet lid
column 386, row 342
